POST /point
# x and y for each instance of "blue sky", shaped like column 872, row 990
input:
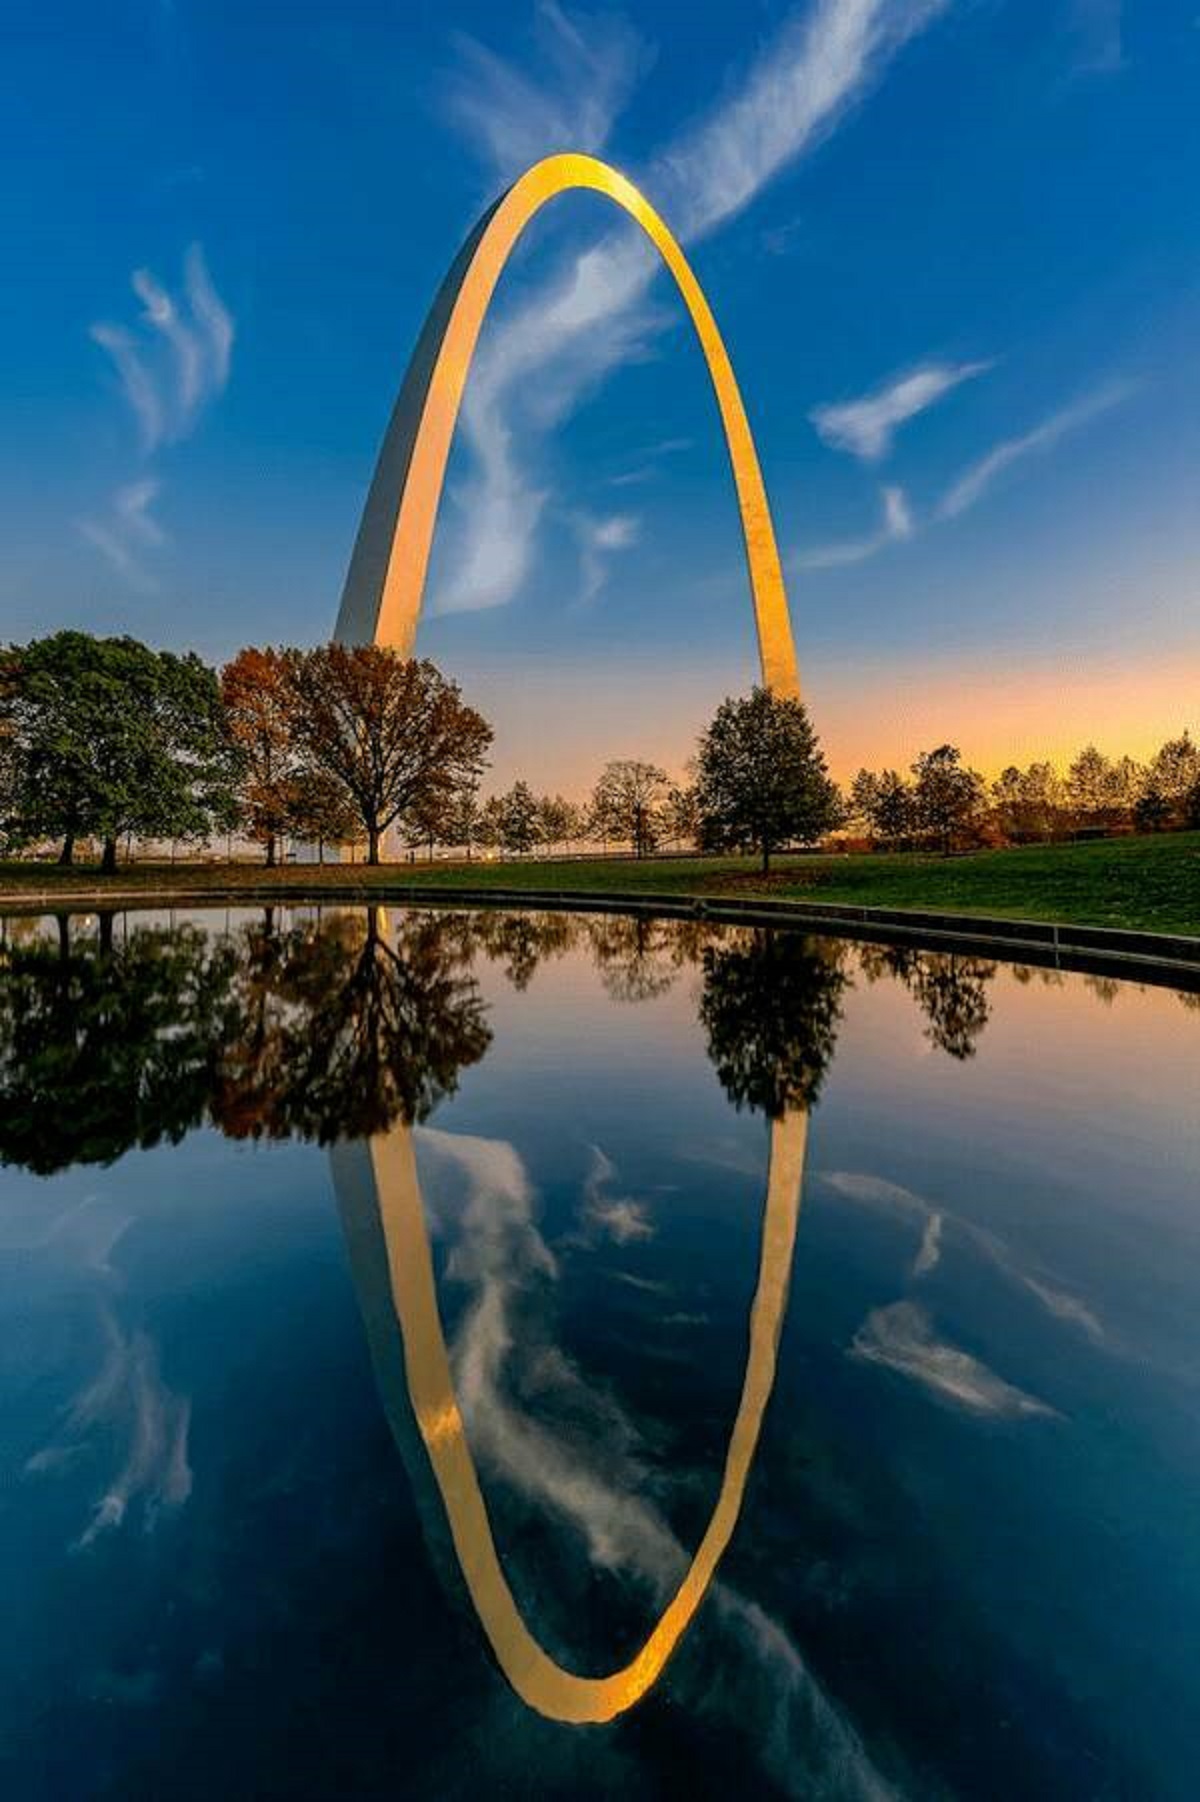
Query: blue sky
column 953, row 245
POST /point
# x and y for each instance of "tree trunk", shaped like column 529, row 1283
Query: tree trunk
column 64, row 936
column 270, row 850
column 108, row 858
column 766, row 854
column 105, row 921
column 372, row 844
column 67, row 854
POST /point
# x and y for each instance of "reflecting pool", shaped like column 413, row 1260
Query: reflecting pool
column 507, row 1353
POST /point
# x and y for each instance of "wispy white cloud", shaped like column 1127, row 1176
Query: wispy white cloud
column 866, row 427
column 126, row 1398
column 599, row 540
column 929, row 1254
column 138, row 385
column 897, row 524
column 649, row 462
column 592, row 312
column 178, row 359
column 978, row 478
column 588, row 65
column 619, row 1217
column 593, row 1475
column 170, row 367
column 127, row 529
column 884, row 1196
column 901, row 1339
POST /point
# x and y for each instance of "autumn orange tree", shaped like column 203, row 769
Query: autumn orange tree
column 259, row 707
column 390, row 731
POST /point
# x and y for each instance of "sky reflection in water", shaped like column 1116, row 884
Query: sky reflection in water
column 965, row 1561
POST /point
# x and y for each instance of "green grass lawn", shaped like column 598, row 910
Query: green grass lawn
column 1151, row 883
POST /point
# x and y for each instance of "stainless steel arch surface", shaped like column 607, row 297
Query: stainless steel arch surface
column 381, row 601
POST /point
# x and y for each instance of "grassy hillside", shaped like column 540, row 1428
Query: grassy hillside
column 1151, row 883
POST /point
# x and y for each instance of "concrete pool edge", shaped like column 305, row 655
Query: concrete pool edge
column 1171, row 958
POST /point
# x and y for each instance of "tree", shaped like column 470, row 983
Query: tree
column 490, row 830
column 625, row 803
column 464, row 816
column 681, row 815
column 319, row 812
column 761, row 778
column 427, row 821
column 884, row 803
column 390, row 731
column 1191, row 805
column 1089, row 785
column 1152, row 810
column 1029, row 802
column 520, row 819
column 259, row 712
column 947, row 797
column 864, row 796
column 107, row 737
column 1174, row 772
column 558, row 820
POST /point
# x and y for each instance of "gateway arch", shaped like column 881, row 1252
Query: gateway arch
column 381, row 601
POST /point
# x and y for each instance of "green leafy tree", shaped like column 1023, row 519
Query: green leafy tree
column 558, row 821
column 626, row 803
column 1191, row 805
column 681, row 815
column 761, row 778
column 864, row 793
column 1089, row 786
column 885, row 804
column 947, row 797
column 108, row 737
column 1029, row 803
column 391, row 731
column 1174, row 773
column 489, row 833
column 1152, row 809
column 520, row 819
column 464, row 817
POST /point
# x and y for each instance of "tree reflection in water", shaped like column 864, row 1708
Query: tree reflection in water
column 319, row 1030
column 339, row 1025
column 771, row 1006
column 341, row 1032
column 108, row 1043
column 950, row 989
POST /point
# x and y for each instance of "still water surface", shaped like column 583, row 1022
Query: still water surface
column 450, row 1353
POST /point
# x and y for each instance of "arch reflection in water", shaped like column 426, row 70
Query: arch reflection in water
column 380, row 1199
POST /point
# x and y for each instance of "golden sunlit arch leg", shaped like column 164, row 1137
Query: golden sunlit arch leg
column 381, row 601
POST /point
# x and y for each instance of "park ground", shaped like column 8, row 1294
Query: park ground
column 1149, row 883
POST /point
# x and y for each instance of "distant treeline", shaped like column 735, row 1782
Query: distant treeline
column 942, row 801
column 105, row 742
